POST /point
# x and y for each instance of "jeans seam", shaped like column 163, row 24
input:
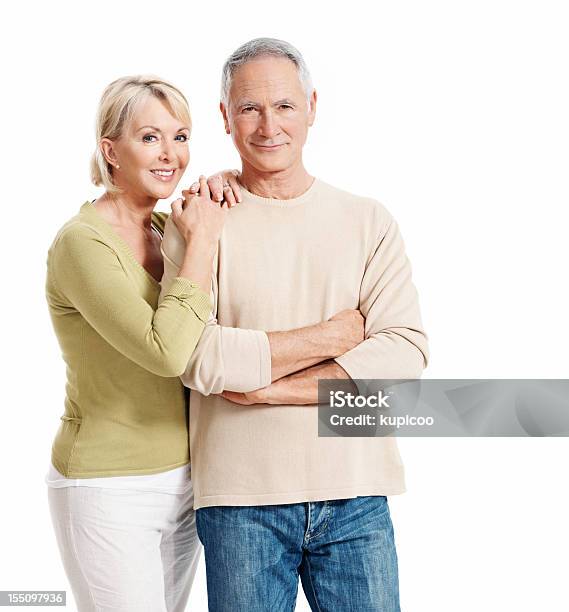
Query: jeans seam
column 324, row 525
column 312, row 584
column 306, row 536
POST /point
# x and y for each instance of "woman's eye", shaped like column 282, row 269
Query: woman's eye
column 149, row 138
column 182, row 138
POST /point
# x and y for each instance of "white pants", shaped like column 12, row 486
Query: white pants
column 126, row 550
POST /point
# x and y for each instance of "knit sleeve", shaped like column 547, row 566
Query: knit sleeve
column 225, row 358
column 395, row 345
column 90, row 279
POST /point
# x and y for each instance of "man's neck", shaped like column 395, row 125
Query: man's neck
column 282, row 185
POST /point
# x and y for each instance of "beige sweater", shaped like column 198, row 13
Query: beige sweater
column 284, row 264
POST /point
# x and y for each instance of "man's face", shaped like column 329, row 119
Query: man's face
column 268, row 115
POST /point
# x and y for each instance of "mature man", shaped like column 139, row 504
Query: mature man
column 275, row 501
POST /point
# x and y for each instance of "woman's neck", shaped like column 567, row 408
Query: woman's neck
column 126, row 210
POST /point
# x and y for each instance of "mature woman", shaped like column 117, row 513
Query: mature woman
column 119, row 488
column 120, row 492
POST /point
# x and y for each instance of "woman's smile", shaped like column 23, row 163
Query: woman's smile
column 164, row 175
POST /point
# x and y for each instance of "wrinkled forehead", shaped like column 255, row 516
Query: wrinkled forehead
column 265, row 79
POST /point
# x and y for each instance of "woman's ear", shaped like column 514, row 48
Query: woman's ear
column 108, row 151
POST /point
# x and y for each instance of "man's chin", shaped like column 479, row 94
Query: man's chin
column 263, row 165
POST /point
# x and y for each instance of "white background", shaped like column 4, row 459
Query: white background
column 455, row 116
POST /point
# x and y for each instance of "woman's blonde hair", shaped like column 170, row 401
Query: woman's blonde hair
column 116, row 109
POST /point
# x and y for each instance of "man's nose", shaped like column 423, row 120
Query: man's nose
column 269, row 126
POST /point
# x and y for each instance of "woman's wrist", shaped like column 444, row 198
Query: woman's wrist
column 199, row 245
column 197, row 265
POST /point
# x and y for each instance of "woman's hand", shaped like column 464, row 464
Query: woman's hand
column 199, row 217
column 223, row 186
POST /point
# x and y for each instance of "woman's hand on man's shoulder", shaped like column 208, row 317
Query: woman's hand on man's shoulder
column 224, row 187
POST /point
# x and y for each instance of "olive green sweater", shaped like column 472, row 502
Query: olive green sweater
column 125, row 407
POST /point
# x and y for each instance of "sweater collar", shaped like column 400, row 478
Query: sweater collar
column 291, row 203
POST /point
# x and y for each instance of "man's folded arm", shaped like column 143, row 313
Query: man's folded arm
column 242, row 360
column 395, row 345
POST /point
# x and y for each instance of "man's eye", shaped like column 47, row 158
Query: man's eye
column 149, row 138
column 285, row 106
column 247, row 109
column 182, row 138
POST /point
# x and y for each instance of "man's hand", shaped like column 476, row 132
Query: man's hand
column 246, row 399
column 347, row 330
column 298, row 389
column 223, row 186
column 298, row 349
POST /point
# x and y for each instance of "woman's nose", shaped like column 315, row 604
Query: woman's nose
column 167, row 151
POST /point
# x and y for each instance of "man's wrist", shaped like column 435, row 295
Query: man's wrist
column 322, row 341
column 278, row 392
column 265, row 395
column 331, row 344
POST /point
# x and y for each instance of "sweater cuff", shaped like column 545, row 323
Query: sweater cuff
column 265, row 361
column 348, row 363
column 189, row 294
column 246, row 359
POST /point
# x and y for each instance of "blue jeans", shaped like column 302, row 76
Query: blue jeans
column 343, row 551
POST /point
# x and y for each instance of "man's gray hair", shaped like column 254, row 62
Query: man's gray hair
column 259, row 47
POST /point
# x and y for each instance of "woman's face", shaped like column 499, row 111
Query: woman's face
column 152, row 153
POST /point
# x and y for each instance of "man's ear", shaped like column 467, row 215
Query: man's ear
column 108, row 151
column 225, row 117
column 312, row 107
